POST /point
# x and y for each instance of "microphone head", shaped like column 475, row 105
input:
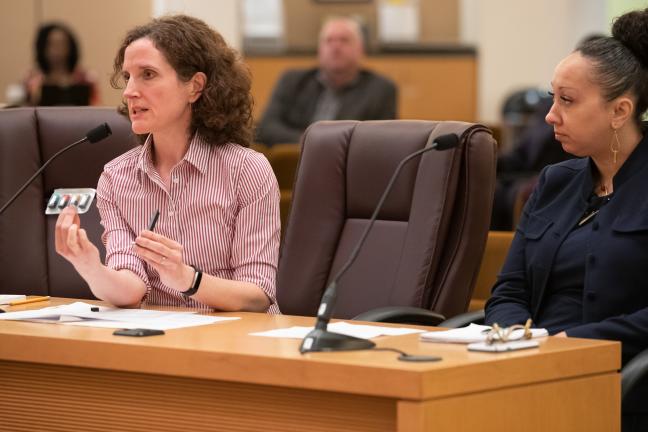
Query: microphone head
column 447, row 141
column 99, row 133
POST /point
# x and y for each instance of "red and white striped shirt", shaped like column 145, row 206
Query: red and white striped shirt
column 222, row 207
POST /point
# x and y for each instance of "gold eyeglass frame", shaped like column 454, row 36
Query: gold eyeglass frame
column 503, row 334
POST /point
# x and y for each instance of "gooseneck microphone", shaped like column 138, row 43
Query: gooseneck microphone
column 319, row 339
column 95, row 135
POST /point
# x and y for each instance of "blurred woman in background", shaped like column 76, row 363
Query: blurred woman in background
column 59, row 80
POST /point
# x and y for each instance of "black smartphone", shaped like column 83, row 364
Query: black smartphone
column 138, row 332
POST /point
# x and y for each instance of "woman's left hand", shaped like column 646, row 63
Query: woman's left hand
column 165, row 256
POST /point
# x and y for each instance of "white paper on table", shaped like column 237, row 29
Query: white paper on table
column 356, row 330
column 167, row 323
column 503, row 346
column 116, row 314
column 472, row 333
column 295, row 332
column 80, row 314
column 5, row 299
column 370, row 331
column 48, row 312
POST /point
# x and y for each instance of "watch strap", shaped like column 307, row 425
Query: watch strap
column 195, row 284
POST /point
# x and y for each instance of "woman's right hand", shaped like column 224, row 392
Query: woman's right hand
column 72, row 242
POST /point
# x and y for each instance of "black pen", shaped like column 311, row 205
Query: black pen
column 153, row 220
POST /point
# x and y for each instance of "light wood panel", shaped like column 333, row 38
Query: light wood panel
column 575, row 405
column 79, row 399
column 497, row 246
column 438, row 20
column 430, row 87
column 17, row 29
column 303, row 20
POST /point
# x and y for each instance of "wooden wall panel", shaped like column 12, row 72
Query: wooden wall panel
column 431, row 87
column 17, row 20
column 575, row 405
column 438, row 20
column 67, row 399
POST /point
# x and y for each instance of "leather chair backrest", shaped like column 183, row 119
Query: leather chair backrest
column 426, row 246
column 29, row 263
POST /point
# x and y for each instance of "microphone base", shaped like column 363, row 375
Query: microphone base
column 322, row 340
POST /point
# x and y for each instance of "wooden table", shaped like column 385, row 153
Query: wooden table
column 217, row 377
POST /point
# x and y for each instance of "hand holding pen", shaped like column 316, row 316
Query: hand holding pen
column 153, row 221
column 165, row 256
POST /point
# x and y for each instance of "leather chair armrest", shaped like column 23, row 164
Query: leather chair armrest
column 402, row 315
column 633, row 372
column 464, row 319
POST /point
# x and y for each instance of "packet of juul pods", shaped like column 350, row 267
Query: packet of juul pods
column 79, row 198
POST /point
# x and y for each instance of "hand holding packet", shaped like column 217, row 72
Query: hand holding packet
column 81, row 198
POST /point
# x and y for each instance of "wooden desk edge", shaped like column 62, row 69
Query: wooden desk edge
column 316, row 371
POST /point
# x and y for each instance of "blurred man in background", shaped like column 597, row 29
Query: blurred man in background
column 338, row 89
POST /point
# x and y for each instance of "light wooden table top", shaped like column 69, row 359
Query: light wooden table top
column 225, row 351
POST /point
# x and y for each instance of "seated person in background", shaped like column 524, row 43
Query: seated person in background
column 216, row 243
column 339, row 89
column 577, row 264
column 536, row 148
column 59, row 80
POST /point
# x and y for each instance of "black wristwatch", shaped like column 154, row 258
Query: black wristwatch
column 193, row 289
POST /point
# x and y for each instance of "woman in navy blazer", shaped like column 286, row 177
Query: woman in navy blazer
column 578, row 264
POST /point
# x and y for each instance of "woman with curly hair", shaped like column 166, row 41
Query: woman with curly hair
column 215, row 245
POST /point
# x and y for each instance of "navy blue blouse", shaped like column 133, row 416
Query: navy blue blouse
column 562, row 308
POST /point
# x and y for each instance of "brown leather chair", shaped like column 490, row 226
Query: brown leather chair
column 29, row 263
column 426, row 247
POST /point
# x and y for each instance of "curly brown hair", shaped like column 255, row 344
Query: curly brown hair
column 223, row 113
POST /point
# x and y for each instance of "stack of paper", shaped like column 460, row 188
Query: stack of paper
column 357, row 330
column 5, row 299
column 82, row 314
column 503, row 346
column 472, row 333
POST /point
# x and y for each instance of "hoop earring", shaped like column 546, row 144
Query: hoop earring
column 615, row 148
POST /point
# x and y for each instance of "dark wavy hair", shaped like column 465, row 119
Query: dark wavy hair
column 621, row 62
column 41, row 44
column 223, row 112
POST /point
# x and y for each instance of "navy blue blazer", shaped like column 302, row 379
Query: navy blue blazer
column 615, row 292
